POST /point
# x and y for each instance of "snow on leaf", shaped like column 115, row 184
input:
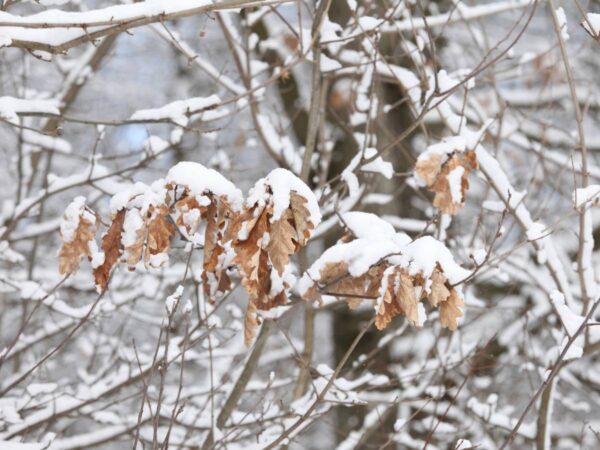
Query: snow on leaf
column 134, row 231
column 200, row 180
column 160, row 231
column 439, row 292
column 188, row 213
column 278, row 219
column 444, row 169
column 77, row 231
column 391, row 271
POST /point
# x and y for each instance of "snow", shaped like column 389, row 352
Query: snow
column 48, row 142
column 31, row 290
column 575, row 351
column 455, row 182
column 10, row 107
column 494, row 206
column 173, row 300
column 154, row 145
column 378, row 165
column 585, row 195
column 132, row 224
column 329, row 65
column 406, row 224
column 426, row 251
column 479, row 256
column 201, row 180
column 537, row 231
column 5, row 41
column 562, row 23
column 487, row 411
column 178, row 111
column 464, row 444
column 545, row 245
column 35, row 389
column 462, row 12
column 55, row 27
column 139, row 195
column 592, row 24
column 359, row 255
column 158, row 260
column 569, row 319
column 10, row 445
column 444, row 148
column 363, row 225
column 419, row 256
column 277, row 186
column 281, row 145
column 74, row 211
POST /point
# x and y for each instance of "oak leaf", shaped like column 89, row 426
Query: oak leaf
column 440, row 178
column 406, row 297
column 428, row 169
column 214, row 276
column 439, row 292
column 387, row 310
column 251, row 324
column 281, row 241
column 301, row 214
column 450, row 311
column 160, row 230
column 248, row 253
column 188, row 213
column 133, row 241
column 111, row 246
column 72, row 251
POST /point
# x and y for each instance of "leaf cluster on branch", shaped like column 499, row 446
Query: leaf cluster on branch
column 257, row 237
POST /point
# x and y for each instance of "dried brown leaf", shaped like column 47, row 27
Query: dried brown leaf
column 428, row 169
column 435, row 176
column 111, row 246
column 248, row 252
column 300, row 214
column 251, row 324
column 450, row 311
column 282, row 243
column 160, row 231
column 406, row 297
column 439, row 292
column 214, row 278
column 189, row 213
column 71, row 252
column 388, row 308
column 132, row 253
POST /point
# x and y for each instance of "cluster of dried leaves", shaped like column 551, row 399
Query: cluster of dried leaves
column 252, row 240
column 256, row 241
column 393, row 290
column 434, row 171
column 263, row 246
